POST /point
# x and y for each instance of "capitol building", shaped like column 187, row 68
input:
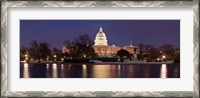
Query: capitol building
column 102, row 49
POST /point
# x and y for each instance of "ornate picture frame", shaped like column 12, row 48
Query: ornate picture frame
column 4, row 50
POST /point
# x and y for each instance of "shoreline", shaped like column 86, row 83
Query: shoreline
column 101, row 63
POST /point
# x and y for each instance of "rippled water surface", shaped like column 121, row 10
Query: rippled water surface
column 99, row 71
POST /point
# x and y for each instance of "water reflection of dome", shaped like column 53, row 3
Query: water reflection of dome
column 101, row 38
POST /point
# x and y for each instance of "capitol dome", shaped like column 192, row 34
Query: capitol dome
column 101, row 38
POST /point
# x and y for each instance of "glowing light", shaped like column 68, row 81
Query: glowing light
column 26, row 71
column 62, row 66
column 47, row 65
column 25, row 64
column 119, row 68
column 62, row 71
column 163, row 56
column 158, row 59
column 54, row 66
column 23, row 61
column 163, row 71
column 101, row 71
column 84, row 66
column 54, row 71
column 84, row 55
column 54, row 56
column 84, row 72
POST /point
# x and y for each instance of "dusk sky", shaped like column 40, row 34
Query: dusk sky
column 118, row 32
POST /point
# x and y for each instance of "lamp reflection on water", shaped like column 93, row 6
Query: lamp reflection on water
column 62, row 66
column 101, row 71
column 54, row 71
column 25, row 64
column 163, row 71
column 84, row 71
column 130, row 71
column 26, row 71
column 47, row 65
column 118, row 67
column 119, row 71
column 62, row 71
column 47, row 71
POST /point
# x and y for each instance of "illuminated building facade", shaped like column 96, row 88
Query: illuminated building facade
column 102, row 49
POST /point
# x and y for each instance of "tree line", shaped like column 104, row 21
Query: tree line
column 150, row 53
column 81, row 48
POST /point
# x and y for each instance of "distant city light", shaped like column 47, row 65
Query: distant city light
column 163, row 56
column 26, row 57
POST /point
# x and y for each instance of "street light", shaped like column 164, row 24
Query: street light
column 47, row 58
column 163, row 56
column 54, row 57
column 26, row 56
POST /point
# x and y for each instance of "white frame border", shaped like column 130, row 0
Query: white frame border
column 4, row 8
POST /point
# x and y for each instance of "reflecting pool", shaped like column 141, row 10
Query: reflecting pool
column 54, row 70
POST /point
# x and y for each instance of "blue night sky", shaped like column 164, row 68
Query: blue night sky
column 118, row 32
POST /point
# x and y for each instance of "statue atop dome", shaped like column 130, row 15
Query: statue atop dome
column 100, row 29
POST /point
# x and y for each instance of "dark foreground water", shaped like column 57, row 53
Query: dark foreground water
column 99, row 71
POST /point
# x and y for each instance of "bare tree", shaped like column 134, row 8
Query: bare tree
column 80, row 47
column 168, row 50
column 39, row 51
